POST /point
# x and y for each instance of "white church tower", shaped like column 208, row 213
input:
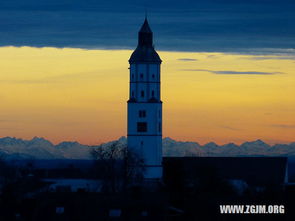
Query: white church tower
column 144, row 105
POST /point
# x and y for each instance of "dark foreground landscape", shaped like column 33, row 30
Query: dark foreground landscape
column 193, row 188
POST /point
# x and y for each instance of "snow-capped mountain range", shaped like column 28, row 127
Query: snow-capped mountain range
column 40, row 148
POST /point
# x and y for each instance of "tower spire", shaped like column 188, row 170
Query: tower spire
column 146, row 14
column 145, row 50
column 145, row 35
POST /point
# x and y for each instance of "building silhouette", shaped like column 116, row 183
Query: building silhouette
column 144, row 105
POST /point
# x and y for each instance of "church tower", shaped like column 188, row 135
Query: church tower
column 144, row 105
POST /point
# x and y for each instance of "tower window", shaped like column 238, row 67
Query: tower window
column 153, row 76
column 142, row 113
column 160, row 127
column 132, row 76
column 132, row 93
column 141, row 76
column 141, row 126
column 142, row 93
column 153, row 93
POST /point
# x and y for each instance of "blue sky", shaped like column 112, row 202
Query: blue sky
column 250, row 26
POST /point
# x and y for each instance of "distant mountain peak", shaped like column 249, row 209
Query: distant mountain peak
column 10, row 141
column 259, row 141
column 168, row 138
column 256, row 142
column 210, row 144
column 39, row 141
column 230, row 145
column 122, row 139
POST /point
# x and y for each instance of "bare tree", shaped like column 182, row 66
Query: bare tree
column 134, row 167
column 117, row 166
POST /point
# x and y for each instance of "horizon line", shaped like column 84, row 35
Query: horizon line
column 184, row 141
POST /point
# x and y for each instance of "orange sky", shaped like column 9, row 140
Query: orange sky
column 76, row 94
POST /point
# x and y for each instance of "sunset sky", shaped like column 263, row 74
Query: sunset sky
column 228, row 71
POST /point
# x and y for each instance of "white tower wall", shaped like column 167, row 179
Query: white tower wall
column 147, row 109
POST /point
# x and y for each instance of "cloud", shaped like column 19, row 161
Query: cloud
column 270, row 58
column 230, row 128
column 58, row 79
column 211, row 26
column 245, row 72
column 187, row 59
column 234, row 72
column 6, row 120
column 212, row 56
column 39, row 81
column 285, row 126
column 10, row 128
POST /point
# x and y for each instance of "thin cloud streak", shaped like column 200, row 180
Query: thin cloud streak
column 229, row 72
column 230, row 128
column 270, row 58
column 187, row 59
column 57, row 79
column 284, row 126
column 10, row 128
